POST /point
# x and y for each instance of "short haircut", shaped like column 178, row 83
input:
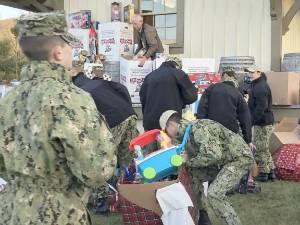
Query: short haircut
column 229, row 73
column 39, row 47
column 174, row 118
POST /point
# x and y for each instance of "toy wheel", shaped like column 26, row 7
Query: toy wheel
column 149, row 173
column 176, row 160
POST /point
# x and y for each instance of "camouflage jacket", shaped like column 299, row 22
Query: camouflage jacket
column 211, row 144
column 51, row 132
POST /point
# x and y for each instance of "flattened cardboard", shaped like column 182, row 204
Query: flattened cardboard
column 284, row 134
column 284, row 87
column 144, row 195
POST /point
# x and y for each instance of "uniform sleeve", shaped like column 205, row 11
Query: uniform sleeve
column 207, row 149
column 86, row 139
column 151, row 39
column 261, row 105
column 187, row 89
column 244, row 118
column 202, row 111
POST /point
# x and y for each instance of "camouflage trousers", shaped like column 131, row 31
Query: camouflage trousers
column 261, row 139
column 123, row 134
column 220, row 182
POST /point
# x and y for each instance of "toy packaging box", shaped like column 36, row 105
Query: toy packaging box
column 115, row 40
column 132, row 76
column 80, row 19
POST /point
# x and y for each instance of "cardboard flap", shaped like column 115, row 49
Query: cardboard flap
column 144, row 195
column 287, row 124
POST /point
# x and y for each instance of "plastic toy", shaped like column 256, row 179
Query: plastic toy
column 161, row 163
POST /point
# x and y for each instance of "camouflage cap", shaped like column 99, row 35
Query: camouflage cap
column 175, row 59
column 45, row 24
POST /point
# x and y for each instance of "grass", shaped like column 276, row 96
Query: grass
column 277, row 204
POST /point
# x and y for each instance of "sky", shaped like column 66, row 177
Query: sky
column 9, row 12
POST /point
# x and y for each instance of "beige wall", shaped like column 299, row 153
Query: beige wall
column 216, row 28
column 100, row 8
column 291, row 40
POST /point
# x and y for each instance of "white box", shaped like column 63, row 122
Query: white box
column 159, row 59
column 132, row 76
column 115, row 39
column 83, row 36
column 198, row 65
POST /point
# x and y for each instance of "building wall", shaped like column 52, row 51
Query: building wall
column 216, row 28
column 212, row 28
column 100, row 8
column 291, row 40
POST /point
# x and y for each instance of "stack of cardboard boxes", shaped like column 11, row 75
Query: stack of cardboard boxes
column 115, row 41
column 285, row 87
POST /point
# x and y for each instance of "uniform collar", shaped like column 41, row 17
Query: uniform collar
column 44, row 69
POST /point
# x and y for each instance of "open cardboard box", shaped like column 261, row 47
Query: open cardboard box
column 284, row 134
column 144, row 195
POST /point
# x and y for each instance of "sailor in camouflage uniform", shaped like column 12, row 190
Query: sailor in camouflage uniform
column 54, row 144
column 214, row 154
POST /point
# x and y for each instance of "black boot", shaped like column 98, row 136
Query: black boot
column 203, row 218
column 271, row 175
column 262, row 177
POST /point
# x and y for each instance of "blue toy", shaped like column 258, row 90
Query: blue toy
column 161, row 163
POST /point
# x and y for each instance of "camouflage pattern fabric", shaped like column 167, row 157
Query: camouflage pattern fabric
column 219, row 156
column 55, row 146
column 45, row 24
column 261, row 139
column 123, row 134
column 232, row 79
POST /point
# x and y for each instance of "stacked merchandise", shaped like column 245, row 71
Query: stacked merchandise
column 115, row 40
column 133, row 75
column 237, row 64
column 202, row 73
column 82, row 27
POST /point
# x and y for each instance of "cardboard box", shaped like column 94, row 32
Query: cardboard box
column 132, row 76
column 285, row 87
column 284, row 133
column 159, row 59
column 83, row 36
column 80, row 19
column 200, row 65
column 148, row 199
column 115, row 40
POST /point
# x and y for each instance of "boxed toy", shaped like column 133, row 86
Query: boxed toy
column 83, row 36
column 80, row 19
column 132, row 76
column 115, row 40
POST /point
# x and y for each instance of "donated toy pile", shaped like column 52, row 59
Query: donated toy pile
column 198, row 145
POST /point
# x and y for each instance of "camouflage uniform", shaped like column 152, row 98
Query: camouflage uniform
column 54, row 143
column 219, row 156
column 261, row 140
column 123, row 134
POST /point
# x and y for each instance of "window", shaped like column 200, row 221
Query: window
column 162, row 14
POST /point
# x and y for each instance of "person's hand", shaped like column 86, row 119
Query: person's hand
column 252, row 147
column 142, row 60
